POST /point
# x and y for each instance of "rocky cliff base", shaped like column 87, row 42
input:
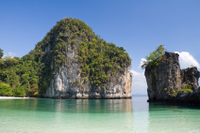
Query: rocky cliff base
column 187, row 98
column 63, row 85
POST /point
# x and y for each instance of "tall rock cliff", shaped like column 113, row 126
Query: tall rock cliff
column 79, row 64
column 167, row 82
column 68, row 83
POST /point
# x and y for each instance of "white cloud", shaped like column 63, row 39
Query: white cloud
column 142, row 62
column 4, row 55
column 9, row 54
column 139, row 83
column 186, row 60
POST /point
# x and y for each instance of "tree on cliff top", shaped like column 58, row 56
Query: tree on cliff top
column 153, row 58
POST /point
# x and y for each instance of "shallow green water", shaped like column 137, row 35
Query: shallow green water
column 96, row 116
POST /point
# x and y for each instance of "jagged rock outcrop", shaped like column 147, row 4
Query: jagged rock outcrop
column 79, row 64
column 167, row 82
column 190, row 76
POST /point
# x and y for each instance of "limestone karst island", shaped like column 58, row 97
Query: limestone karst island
column 70, row 62
column 167, row 82
column 71, row 65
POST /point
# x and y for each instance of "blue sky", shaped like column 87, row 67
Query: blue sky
column 137, row 25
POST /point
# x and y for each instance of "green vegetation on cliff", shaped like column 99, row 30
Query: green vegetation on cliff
column 153, row 60
column 154, row 57
column 31, row 75
column 185, row 88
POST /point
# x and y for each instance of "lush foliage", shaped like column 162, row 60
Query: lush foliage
column 1, row 53
column 185, row 88
column 154, row 57
column 5, row 90
column 100, row 59
column 31, row 75
column 20, row 74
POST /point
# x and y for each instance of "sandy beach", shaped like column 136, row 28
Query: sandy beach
column 7, row 97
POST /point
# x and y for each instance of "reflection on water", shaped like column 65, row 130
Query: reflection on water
column 95, row 116
column 66, row 115
column 70, row 105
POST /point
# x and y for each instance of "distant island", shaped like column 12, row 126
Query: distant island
column 138, row 94
column 70, row 62
column 167, row 82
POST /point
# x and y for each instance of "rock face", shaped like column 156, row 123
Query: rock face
column 68, row 83
column 190, row 76
column 63, row 85
column 69, row 74
column 167, row 82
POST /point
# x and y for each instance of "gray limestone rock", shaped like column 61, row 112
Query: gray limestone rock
column 68, row 83
column 167, row 82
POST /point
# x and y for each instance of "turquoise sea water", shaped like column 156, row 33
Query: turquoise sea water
column 96, row 116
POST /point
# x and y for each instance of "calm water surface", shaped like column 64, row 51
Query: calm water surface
column 96, row 116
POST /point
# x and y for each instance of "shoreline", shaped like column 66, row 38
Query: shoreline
column 10, row 97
